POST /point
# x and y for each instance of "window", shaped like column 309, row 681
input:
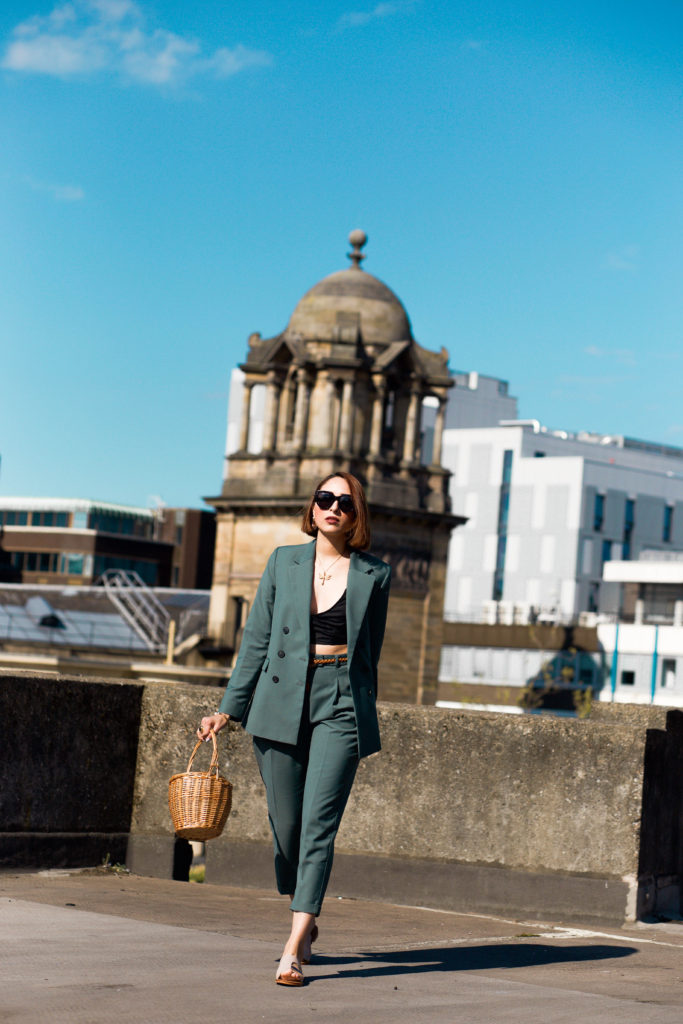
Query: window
column 598, row 512
column 606, row 550
column 507, row 467
column 71, row 564
column 628, row 678
column 668, row 680
column 629, row 522
column 43, row 519
column 668, row 523
column 587, row 557
column 146, row 570
column 503, row 510
column 31, row 561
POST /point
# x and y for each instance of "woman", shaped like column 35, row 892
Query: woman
column 305, row 685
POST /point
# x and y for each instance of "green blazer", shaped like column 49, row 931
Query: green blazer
column 267, row 686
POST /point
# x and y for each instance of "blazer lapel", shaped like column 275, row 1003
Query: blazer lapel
column 358, row 590
column 301, row 580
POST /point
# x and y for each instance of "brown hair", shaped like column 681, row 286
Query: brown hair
column 359, row 534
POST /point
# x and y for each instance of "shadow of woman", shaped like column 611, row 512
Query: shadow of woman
column 468, row 958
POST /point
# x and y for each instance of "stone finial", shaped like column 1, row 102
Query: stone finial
column 357, row 239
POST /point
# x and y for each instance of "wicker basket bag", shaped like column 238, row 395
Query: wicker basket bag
column 200, row 802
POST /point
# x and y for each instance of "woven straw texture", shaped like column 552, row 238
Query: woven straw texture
column 200, row 802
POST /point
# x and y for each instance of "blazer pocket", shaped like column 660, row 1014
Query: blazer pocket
column 266, row 663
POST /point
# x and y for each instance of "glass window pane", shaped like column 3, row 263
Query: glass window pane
column 74, row 564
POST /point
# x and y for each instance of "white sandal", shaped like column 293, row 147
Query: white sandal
column 289, row 965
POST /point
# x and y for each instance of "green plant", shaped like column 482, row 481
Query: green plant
column 118, row 869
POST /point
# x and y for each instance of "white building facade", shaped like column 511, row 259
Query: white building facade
column 546, row 510
column 643, row 643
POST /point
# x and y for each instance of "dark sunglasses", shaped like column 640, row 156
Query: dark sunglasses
column 326, row 499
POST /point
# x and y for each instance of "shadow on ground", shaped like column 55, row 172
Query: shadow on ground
column 470, row 958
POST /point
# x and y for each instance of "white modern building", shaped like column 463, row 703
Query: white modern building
column 644, row 642
column 546, row 510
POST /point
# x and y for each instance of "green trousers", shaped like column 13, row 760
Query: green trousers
column 308, row 786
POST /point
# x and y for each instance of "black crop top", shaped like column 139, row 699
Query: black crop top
column 329, row 627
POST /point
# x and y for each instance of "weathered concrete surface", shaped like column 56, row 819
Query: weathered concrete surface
column 67, row 770
column 94, row 949
column 550, row 816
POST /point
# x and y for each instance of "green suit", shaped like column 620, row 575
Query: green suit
column 267, row 687
column 310, row 725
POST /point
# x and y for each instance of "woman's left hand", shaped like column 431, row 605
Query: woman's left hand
column 212, row 723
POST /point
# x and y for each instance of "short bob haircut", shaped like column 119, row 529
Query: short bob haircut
column 359, row 534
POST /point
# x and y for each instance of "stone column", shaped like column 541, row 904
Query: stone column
column 301, row 417
column 330, row 405
column 412, row 425
column 377, row 415
column 346, row 431
column 272, row 404
column 286, row 398
column 246, row 410
column 438, row 431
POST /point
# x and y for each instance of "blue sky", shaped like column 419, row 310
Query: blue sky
column 175, row 177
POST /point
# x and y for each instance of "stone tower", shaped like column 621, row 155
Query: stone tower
column 345, row 384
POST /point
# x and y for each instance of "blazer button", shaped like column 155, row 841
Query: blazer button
column 276, row 679
column 280, row 654
column 285, row 629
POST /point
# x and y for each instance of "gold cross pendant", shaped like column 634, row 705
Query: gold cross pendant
column 322, row 576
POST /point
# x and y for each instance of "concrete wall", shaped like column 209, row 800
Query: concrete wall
column 522, row 815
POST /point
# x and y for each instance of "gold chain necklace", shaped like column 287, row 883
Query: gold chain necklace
column 326, row 574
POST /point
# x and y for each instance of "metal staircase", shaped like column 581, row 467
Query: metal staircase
column 139, row 606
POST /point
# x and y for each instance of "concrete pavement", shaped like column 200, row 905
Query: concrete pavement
column 89, row 947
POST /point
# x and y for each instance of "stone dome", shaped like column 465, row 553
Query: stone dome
column 347, row 296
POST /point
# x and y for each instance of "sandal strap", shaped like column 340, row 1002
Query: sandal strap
column 288, row 964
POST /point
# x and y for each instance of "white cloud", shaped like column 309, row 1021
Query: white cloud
column 386, row 9
column 624, row 258
column 623, row 356
column 86, row 36
column 226, row 62
column 62, row 193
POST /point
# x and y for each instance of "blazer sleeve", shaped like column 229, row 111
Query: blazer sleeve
column 377, row 615
column 254, row 646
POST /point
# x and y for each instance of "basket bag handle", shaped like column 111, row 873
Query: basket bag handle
column 213, row 767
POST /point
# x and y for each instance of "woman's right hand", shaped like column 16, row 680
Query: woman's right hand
column 212, row 723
